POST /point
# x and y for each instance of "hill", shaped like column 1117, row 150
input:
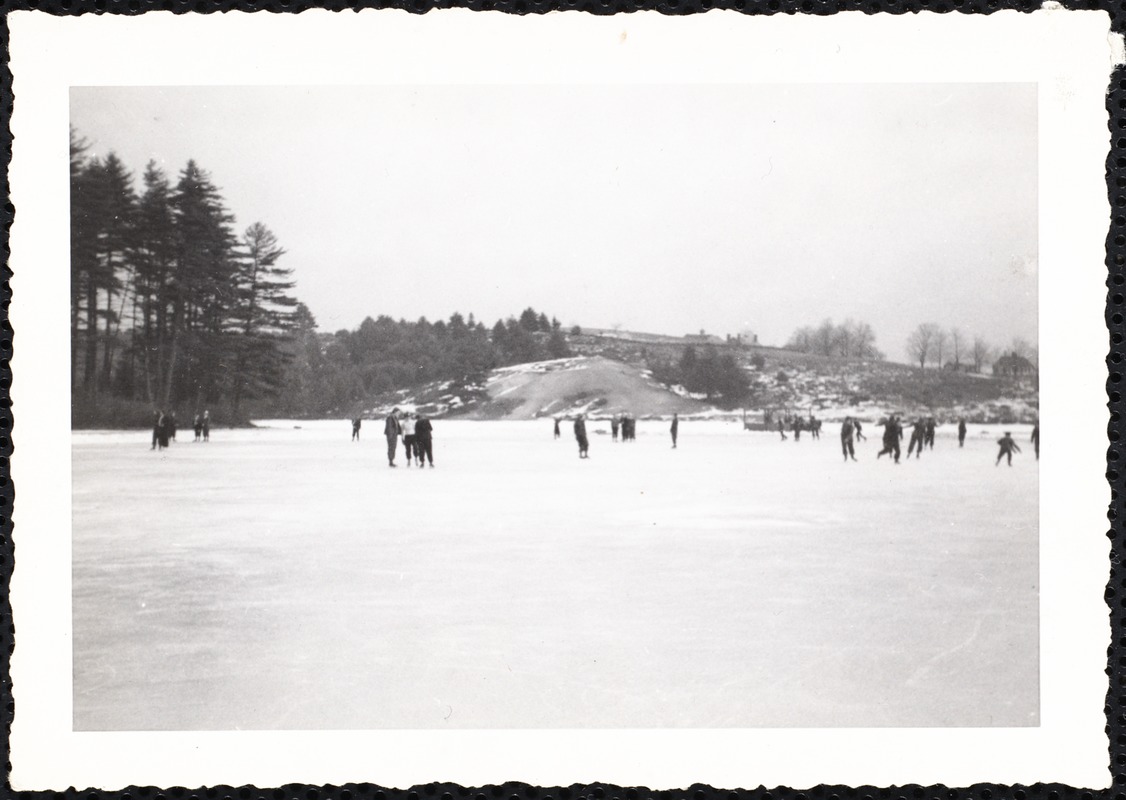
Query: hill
column 560, row 387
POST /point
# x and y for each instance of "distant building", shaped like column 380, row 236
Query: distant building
column 702, row 338
column 1013, row 366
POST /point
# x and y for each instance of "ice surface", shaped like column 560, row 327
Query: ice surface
column 285, row 577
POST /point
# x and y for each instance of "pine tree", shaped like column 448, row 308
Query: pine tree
column 263, row 317
column 203, row 289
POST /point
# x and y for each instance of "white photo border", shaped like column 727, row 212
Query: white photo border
column 1068, row 54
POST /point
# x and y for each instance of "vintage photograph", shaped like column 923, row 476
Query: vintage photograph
column 578, row 406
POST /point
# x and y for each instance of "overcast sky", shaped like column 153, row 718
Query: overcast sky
column 666, row 209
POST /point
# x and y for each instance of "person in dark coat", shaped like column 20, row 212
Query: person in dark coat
column 197, row 426
column 847, row 430
column 674, row 428
column 1007, row 447
column 614, row 422
column 918, row 436
column 580, row 436
column 961, row 432
column 160, row 431
column 893, row 432
column 156, row 427
column 1036, row 439
column 797, row 429
column 392, row 430
column 928, row 433
column 860, row 437
column 814, row 427
column 206, row 426
column 356, row 423
column 424, row 439
column 782, row 428
column 555, row 433
column 168, row 429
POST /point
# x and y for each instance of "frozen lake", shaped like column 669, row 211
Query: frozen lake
column 284, row 578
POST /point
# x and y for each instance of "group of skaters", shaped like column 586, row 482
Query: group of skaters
column 796, row 424
column 623, row 424
column 415, row 430
column 922, row 436
column 164, row 428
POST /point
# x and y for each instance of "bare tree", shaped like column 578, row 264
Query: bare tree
column 1024, row 349
column 957, row 342
column 980, row 352
column 939, row 347
column 920, row 344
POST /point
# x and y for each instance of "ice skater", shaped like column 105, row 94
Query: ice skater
column 424, row 440
column 928, row 433
column 206, row 425
column 847, row 429
column 555, row 433
column 356, row 423
column 797, row 429
column 157, row 427
column 673, row 429
column 1036, row 439
column 580, row 436
column 893, row 432
column 197, row 426
column 1007, row 447
column 172, row 426
column 860, row 437
column 391, row 431
column 782, row 429
column 814, row 427
column 614, row 423
column 407, row 428
column 918, row 436
column 961, row 431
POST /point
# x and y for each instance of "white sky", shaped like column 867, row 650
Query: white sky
column 659, row 208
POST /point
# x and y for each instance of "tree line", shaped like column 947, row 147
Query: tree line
column 849, row 339
column 718, row 377
column 168, row 304
column 338, row 373
column 932, row 344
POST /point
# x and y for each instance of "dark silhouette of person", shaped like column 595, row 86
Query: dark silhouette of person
column 407, row 429
column 206, row 426
column 918, row 436
column 814, row 427
column 1007, row 447
column 555, row 433
column 961, row 431
column 1036, row 439
column 674, row 428
column 929, row 433
column 847, row 429
column 424, row 439
column 197, row 426
column 160, row 430
column 391, row 430
column 614, row 428
column 893, row 433
column 782, row 428
column 356, row 423
column 859, row 430
column 580, row 436
column 797, row 429
column 172, row 426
